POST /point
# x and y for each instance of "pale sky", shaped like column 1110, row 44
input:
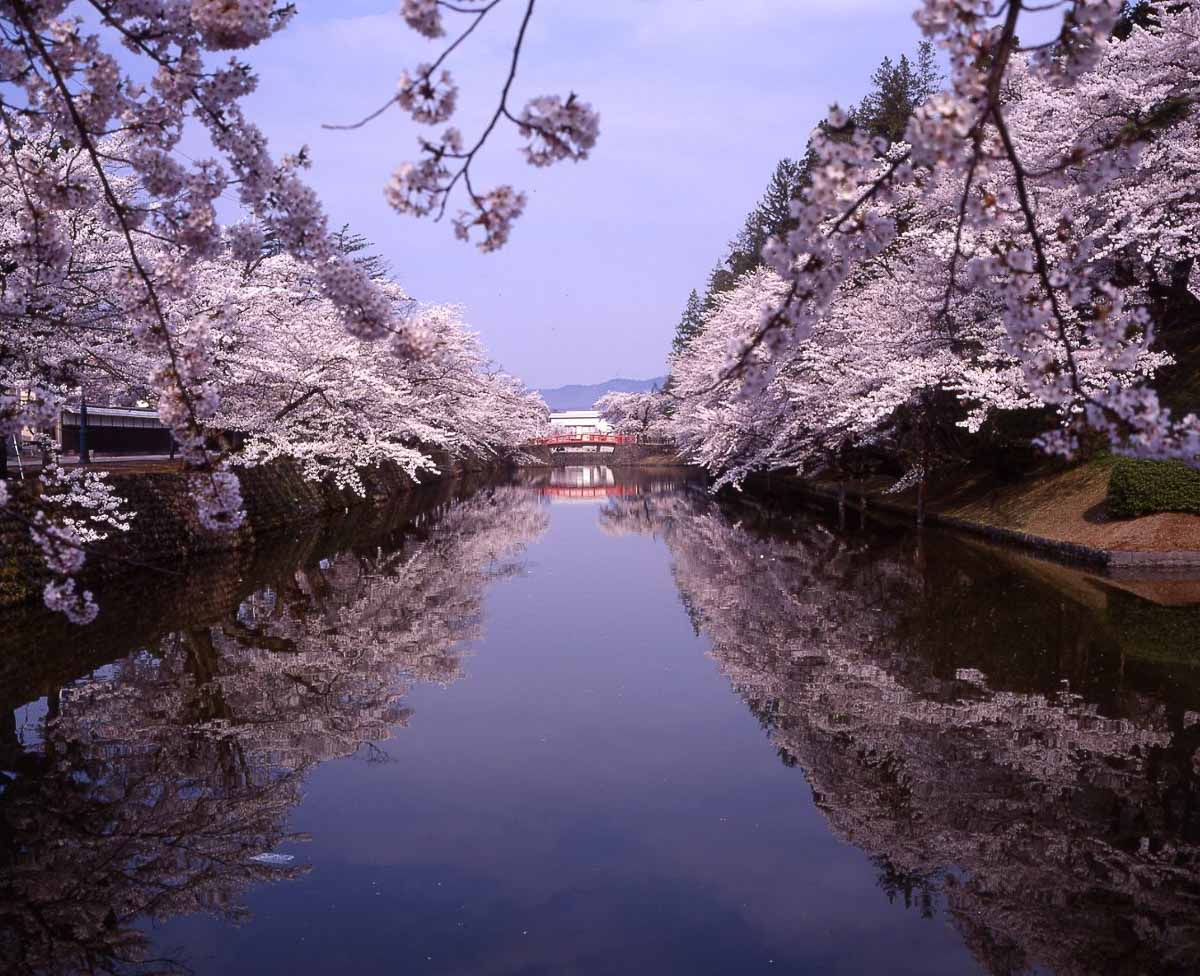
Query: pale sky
column 697, row 101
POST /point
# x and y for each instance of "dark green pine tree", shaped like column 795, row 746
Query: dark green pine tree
column 897, row 89
column 770, row 217
column 347, row 242
column 720, row 279
column 1135, row 13
column 690, row 324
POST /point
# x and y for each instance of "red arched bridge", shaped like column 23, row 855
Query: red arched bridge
column 564, row 439
column 556, row 439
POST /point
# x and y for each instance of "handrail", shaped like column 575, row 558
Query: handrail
column 566, row 438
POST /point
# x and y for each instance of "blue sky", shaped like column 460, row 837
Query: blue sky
column 697, row 101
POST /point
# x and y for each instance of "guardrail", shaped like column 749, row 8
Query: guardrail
column 603, row 439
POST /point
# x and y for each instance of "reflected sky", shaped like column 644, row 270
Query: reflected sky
column 648, row 734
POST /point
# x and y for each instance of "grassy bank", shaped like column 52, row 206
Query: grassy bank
column 1059, row 509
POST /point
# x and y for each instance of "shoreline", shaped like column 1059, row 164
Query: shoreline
column 165, row 532
column 1114, row 560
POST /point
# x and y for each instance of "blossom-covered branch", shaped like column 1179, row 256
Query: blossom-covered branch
column 556, row 129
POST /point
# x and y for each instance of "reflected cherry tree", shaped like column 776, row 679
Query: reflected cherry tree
column 162, row 784
column 1011, row 764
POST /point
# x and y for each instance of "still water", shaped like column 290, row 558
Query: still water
column 598, row 723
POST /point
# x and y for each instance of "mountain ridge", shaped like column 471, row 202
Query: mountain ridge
column 583, row 396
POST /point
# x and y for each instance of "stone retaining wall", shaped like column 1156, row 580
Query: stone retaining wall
column 165, row 530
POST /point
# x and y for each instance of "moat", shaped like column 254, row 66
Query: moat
column 592, row 721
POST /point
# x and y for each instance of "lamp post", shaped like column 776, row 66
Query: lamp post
column 84, row 454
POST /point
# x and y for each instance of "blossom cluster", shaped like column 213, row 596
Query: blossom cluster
column 557, row 129
column 645, row 414
column 74, row 509
column 427, row 99
column 494, row 215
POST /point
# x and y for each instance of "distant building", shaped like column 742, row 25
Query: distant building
column 115, row 430
column 580, row 422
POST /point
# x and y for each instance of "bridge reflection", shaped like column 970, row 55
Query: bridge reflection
column 598, row 482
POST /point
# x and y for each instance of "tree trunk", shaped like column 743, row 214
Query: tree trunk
column 924, row 468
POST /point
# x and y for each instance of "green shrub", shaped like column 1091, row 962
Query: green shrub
column 1138, row 487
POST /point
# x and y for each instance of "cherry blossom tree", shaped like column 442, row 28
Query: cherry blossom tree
column 712, row 424
column 644, row 414
column 924, row 315
column 276, row 361
column 295, row 389
column 94, row 102
column 1037, row 261
column 282, row 370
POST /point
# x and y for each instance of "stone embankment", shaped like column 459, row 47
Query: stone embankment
column 41, row 651
column 165, row 532
column 1086, row 536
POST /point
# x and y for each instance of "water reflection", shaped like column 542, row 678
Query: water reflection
column 155, row 784
column 587, row 483
column 1013, row 743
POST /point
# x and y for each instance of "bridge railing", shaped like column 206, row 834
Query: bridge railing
column 568, row 438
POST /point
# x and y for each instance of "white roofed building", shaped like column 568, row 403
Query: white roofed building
column 580, row 422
